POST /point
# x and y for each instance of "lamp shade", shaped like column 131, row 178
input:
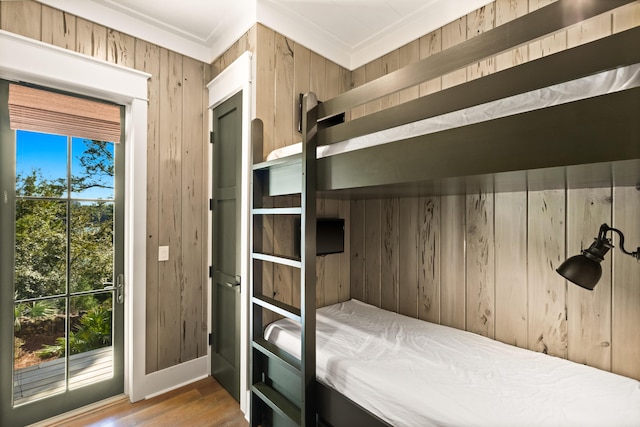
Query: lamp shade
column 581, row 270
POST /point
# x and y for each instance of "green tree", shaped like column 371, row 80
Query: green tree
column 41, row 230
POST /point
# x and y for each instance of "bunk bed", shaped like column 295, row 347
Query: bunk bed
column 489, row 134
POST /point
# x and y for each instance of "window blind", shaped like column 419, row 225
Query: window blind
column 49, row 112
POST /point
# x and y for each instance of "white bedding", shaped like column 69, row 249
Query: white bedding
column 414, row 373
column 598, row 84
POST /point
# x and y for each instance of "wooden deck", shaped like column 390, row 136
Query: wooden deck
column 48, row 378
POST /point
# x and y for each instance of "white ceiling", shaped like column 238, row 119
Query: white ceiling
column 349, row 32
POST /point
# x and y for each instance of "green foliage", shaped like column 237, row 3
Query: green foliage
column 93, row 332
column 43, row 308
column 42, row 239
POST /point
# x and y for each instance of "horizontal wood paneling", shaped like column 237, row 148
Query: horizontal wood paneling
column 176, row 289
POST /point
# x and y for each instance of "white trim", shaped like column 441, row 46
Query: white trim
column 238, row 77
column 39, row 63
column 32, row 61
column 411, row 28
column 176, row 376
column 120, row 21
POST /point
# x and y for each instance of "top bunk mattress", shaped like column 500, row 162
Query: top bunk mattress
column 603, row 83
column 410, row 372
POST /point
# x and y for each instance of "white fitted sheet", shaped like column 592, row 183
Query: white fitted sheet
column 413, row 373
column 598, row 84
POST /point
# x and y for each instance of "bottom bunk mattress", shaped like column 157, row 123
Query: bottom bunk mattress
column 410, row 372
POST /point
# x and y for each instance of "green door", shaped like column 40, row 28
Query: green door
column 61, row 258
column 227, row 146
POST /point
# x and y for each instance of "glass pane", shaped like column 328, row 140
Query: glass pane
column 90, row 339
column 41, row 248
column 41, row 164
column 92, row 169
column 39, row 348
column 91, row 261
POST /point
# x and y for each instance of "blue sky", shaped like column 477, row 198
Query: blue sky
column 48, row 153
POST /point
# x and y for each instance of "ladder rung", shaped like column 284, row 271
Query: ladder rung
column 278, row 307
column 277, row 402
column 291, row 262
column 278, row 211
column 274, row 352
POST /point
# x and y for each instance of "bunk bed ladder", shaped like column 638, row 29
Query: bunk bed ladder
column 283, row 385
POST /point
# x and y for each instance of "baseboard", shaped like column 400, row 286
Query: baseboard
column 177, row 376
column 67, row 417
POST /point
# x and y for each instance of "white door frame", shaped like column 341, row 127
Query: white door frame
column 237, row 77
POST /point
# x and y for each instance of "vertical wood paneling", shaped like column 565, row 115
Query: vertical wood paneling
column 429, row 45
column 625, row 339
column 91, row 39
column 373, row 70
column 58, row 28
column 344, row 288
column 358, row 78
column 120, row 49
column 428, row 263
column 331, row 266
column 170, row 272
column 508, row 10
column 480, row 265
column 389, row 255
column 320, row 262
column 478, row 22
column 301, row 70
column 408, row 253
column 589, row 312
column 453, row 34
column 22, row 17
column 173, row 299
column 267, row 267
column 390, row 63
column 265, row 78
column 192, row 289
column 283, row 126
column 357, row 252
column 147, row 58
column 546, row 290
column 317, row 77
column 589, row 30
column 626, row 17
column 511, row 268
column 283, row 245
column 408, row 54
column 373, row 245
column 283, row 136
column 452, row 261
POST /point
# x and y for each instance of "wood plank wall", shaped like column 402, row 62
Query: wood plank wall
column 176, row 171
column 285, row 69
column 485, row 262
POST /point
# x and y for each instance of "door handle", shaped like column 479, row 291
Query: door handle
column 231, row 285
column 119, row 288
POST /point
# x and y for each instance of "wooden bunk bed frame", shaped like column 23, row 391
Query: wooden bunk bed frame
column 587, row 143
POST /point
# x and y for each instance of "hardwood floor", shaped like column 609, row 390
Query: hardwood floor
column 203, row 403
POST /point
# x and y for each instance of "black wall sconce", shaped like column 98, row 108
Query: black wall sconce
column 585, row 270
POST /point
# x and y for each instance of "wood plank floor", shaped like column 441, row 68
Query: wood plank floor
column 203, row 403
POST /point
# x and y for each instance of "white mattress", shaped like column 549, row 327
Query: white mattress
column 414, row 373
column 598, row 84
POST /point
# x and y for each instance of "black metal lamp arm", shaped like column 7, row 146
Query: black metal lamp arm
column 601, row 236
